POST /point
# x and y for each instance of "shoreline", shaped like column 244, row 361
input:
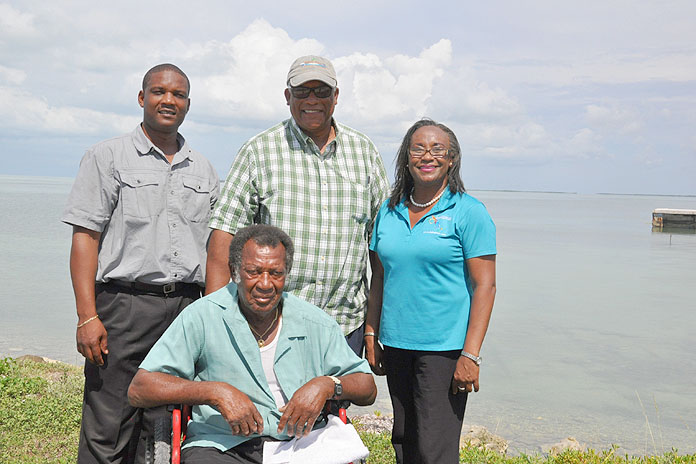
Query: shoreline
column 477, row 436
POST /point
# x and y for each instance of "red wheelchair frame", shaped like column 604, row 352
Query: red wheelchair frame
column 181, row 416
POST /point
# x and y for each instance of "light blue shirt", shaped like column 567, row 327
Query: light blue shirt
column 211, row 341
column 427, row 294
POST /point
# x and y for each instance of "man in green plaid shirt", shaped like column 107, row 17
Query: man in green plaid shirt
column 322, row 183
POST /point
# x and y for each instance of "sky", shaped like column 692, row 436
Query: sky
column 595, row 96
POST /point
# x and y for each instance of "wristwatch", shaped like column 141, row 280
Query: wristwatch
column 338, row 387
column 476, row 359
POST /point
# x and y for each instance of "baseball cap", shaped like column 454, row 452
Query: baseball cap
column 311, row 68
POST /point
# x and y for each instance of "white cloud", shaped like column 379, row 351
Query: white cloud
column 526, row 140
column 255, row 65
column 239, row 83
column 526, row 87
column 12, row 76
column 22, row 113
column 392, row 90
column 15, row 24
column 585, row 143
column 612, row 118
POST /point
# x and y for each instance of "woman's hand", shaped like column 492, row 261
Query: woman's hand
column 374, row 355
column 373, row 350
column 466, row 376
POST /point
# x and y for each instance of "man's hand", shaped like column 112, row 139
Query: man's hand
column 466, row 376
column 300, row 413
column 237, row 409
column 91, row 337
column 91, row 342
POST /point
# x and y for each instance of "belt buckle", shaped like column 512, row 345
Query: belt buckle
column 169, row 288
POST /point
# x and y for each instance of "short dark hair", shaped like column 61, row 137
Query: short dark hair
column 262, row 235
column 165, row 67
column 403, row 182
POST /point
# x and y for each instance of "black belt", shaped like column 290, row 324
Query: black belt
column 166, row 289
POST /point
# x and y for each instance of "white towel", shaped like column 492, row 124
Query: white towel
column 337, row 443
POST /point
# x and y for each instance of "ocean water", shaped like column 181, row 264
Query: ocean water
column 592, row 334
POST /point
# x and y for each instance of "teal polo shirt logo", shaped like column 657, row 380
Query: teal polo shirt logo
column 437, row 225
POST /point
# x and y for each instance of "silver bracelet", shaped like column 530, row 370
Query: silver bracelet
column 369, row 334
column 476, row 359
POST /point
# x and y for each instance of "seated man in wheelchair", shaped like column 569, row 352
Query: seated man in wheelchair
column 257, row 364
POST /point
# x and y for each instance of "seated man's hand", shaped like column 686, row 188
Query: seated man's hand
column 237, row 409
column 300, row 413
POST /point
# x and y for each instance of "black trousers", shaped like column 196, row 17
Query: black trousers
column 249, row 452
column 356, row 340
column 111, row 428
column 427, row 416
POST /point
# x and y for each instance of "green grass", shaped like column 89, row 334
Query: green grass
column 40, row 408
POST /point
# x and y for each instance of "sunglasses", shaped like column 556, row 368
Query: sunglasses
column 323, row 91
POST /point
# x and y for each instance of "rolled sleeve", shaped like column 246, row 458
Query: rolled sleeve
column 379, row 190
column 94, row 193
column 179, row 348
column 340, row 359
column 238, row 204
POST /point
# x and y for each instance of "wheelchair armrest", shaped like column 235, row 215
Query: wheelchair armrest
column 336, row 408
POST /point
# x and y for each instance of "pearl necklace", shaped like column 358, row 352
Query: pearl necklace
column 260, row 339
column 425, row 205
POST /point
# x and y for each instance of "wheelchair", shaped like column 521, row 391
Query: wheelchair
column 164, row 447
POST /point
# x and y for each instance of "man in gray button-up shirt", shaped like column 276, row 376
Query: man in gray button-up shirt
column 139, row 209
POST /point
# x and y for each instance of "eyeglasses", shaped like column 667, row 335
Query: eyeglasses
column 323, row 91
column 435, row 152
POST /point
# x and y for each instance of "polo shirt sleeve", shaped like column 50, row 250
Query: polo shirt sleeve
column 179, row 348
column 477, row 232
column 238, row 202
column 374, row 241
column 94, row 193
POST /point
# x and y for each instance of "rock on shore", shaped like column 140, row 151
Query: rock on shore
column 476, row 436
column 472, row 435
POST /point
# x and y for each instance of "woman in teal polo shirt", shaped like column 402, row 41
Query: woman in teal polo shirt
column 433, row 285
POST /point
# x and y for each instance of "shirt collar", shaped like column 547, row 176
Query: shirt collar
column 446, row 201
column 145, row 146
column 227, row 299
column 305, row 140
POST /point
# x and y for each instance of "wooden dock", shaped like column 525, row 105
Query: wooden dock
column 666, row 217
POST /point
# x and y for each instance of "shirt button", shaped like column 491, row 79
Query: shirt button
column 174, row 225
column 176, row 275
column 176, row 253
column 322, row 258
column 172, row 192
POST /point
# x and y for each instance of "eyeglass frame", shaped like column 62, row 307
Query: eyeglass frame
column 310, row 91
column 429, row 150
